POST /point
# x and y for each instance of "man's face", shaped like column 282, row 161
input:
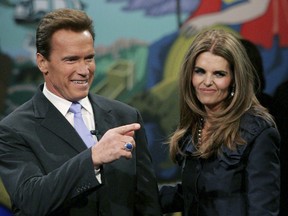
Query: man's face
column 69, row 71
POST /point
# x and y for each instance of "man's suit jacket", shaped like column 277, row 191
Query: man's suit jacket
column 47, row 169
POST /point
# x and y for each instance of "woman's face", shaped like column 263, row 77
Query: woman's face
column 211, row 79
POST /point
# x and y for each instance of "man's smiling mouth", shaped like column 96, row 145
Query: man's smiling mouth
column 80, row 82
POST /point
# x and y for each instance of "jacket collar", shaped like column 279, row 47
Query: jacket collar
column 53, row 120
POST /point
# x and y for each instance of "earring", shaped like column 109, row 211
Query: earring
column 232, row 91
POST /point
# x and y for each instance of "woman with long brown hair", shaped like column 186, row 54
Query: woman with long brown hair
column 226, row 141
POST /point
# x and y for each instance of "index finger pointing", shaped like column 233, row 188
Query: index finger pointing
column 128, row 128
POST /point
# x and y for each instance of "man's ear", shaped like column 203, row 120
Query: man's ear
column 42, row 63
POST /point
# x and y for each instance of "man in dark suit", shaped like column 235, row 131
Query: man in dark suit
column 45, row 166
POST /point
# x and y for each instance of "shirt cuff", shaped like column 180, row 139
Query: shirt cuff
column 97, row 174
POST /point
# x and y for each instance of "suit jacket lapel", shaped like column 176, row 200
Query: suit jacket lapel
column 103, row 118
column 54, row 121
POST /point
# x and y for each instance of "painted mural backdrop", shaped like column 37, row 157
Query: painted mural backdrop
column 139, row 47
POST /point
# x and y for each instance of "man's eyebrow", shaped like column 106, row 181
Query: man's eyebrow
column 90, row 55
column 70, row 57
